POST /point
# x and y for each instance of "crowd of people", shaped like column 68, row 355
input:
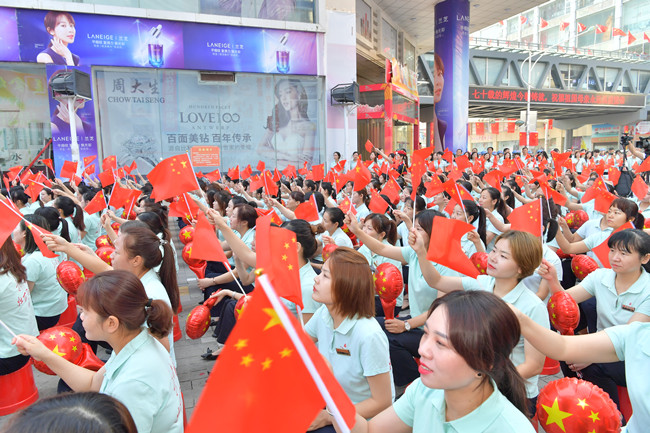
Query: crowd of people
column 460, row 354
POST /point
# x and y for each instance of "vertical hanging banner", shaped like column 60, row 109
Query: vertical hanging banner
column 451, row 74
column 60, row 119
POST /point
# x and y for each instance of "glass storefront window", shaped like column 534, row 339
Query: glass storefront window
column 553, row 9
column 282, row 10
column 589, row 37
column 636, row 16
column 24, row 113
column 277, row 119
column 404, row 106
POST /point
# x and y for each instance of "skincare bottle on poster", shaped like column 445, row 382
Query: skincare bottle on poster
column 282, row 55
column 155, row 47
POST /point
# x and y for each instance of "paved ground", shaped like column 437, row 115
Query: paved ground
column 192, row 369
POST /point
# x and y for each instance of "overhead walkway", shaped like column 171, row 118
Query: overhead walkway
column 572, row 86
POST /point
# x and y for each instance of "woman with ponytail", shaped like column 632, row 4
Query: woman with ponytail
column 490, row 200
column 58, row 226
column 73, row 215
column 48, row 298
column 139, row 372
column 137, row 250
column 467, row 382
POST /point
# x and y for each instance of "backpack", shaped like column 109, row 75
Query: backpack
column 624, row 186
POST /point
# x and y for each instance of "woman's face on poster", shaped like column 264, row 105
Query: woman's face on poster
column 288, row 96
column 64, row 30
column 438, row 84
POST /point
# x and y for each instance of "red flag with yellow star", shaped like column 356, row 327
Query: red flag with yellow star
column 446, row 249
column 9, row 218
column 527, row 218
column 206, row 244
column 98, row 203
column 277, row 255
column 602, row 251
column 171, row 177
column 260, row 381
column 184, row 207
column 37, row 232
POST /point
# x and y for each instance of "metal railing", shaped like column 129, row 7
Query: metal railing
column 488, row 43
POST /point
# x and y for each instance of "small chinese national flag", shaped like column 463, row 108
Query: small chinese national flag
column 391, row 189
column 446, row 249
column 9, row 218
column 69, row 169
column 171, row 177
column 307, row 211
column 527, row 218
column 206, row 244
column 184, row 207
column 37, row 232
column 107, row 178
column 377, row 203
column 89, row 160
column 277, row 256
column 275, row 219
column 602, row 250
column 98, row 203
column 109, row 163
column 261, row 382
column 639, row 188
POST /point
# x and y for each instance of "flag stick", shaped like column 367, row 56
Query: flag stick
column 302, row 351
column 461, row 203
column 541, row 217
column 8, row 329
column 236, row 280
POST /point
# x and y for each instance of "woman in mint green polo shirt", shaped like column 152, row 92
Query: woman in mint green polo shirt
column 514, row 257
column 629, row 343
column 48, row 297
column 467, row 382
column 139, row 372
column 404, row 332
column 348, row 337
column 623, row 296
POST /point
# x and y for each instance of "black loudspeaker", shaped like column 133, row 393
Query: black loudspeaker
column 345, row 94
column 71, row 82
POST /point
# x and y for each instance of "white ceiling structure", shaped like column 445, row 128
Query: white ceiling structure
column 416, row 16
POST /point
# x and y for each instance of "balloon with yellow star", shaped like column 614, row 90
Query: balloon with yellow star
column 563, row 312
column 187, row 256
column 388, row 285
column 582, row 266
column 70, row 276
column 327, row 250
column 186, row 234
column 105, row 253
column 479, row 259
column 571, row 405
column 102, row 241
column 64, row 342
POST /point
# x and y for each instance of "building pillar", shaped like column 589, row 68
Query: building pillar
column 452, row 53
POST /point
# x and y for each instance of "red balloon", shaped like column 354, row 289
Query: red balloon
column 131, row 216
column 19, row 249
column 241, row 305
column 582, row 266
column 115, row 226
column 561, row 254
column 646, row 225
column 198, row 321
column 388, row 307
column 575, row 219
column 388, row 282
column 88, row 274
column 327, row 250
column 563, row 312
column 199, row 271
column 480, row 261
column 105, row 254
column 64, row 342
column 574, row 405
column 69, row 276
column 103, row 241
column 186, row 234
column 187, row 256
column 89, row 360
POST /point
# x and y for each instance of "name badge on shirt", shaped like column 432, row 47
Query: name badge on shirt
column 628, row 308
column 342, row 351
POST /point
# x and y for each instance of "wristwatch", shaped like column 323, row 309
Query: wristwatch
column 407, row 325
